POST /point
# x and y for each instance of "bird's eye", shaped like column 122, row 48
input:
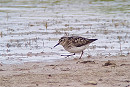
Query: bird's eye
column 60, row 40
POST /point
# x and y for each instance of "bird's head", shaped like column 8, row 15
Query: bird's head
column 62, row 41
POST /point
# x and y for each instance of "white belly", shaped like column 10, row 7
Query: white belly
column 77, row 49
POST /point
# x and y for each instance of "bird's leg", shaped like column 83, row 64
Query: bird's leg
column 81, row 55
column 68, row 55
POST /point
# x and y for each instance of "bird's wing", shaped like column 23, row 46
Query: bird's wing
column 79, row 41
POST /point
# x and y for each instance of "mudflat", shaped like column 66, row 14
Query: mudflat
column 68, row 73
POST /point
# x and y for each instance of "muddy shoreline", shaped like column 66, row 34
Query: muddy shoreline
column 67, row 73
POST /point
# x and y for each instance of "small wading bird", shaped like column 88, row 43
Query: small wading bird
column 74, row 44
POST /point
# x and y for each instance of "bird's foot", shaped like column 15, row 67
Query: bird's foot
column 68, row 55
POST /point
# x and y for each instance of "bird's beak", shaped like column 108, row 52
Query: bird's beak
column 56, row 45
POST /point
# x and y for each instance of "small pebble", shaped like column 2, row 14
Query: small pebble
column 108, row 63
column 91, row 83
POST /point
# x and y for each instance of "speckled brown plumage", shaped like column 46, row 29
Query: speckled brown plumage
column 75, row 44
column 79, row 41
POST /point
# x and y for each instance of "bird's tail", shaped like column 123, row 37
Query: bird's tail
column 91, row 40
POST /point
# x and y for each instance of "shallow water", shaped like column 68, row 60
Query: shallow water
column 30, row 28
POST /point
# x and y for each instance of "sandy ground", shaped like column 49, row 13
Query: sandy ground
column 67, row 73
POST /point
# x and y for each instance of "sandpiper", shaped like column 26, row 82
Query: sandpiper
column 74, row 44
